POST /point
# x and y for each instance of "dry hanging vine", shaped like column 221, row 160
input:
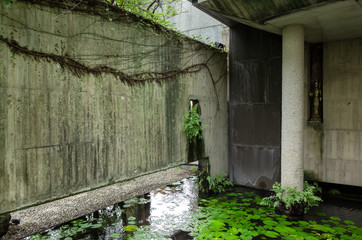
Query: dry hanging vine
column 79, row 69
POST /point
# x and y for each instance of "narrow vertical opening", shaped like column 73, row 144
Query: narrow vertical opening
column 196, row 148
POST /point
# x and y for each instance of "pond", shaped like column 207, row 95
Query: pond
column 172, row 212
column 162, row 213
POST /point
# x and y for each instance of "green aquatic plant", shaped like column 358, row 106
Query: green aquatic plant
column 239, row 216
column 130, row 228
column 69, row 231
column 216, row 184
column 292, row 202
column 233, row 215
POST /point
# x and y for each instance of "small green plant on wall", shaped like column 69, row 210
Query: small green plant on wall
column 291, row 202
column 192, row 125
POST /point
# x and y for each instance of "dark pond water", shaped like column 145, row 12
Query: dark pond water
column 347, row 209
column 165, row 213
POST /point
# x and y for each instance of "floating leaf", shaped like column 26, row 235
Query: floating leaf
column 349, row 222
column 130, row 228
column 115, row 235
column 98, row 225
column 335, row 219
column 271, row 234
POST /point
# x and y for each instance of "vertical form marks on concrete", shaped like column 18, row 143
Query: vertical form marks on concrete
column 292, row 107
column 63, row 134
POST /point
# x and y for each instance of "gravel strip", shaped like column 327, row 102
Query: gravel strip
column 42, row 217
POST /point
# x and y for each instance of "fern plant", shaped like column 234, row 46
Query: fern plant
column 192, row 125
column 217, row 184
column 292, row 202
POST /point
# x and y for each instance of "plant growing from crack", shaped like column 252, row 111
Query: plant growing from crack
column 192, row 125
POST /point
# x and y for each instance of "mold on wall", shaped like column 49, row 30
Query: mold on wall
column 64, row 130
column 333, row 149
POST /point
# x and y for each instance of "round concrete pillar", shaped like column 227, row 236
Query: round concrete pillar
column 292, row 107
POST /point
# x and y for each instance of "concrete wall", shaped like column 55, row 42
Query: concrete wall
column 255, row 107
column 194, row 22
column 333, row 150
column 62, row 132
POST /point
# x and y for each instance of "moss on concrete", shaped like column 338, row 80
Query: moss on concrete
column 67, row 130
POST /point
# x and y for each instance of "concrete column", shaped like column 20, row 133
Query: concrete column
column 292, row 107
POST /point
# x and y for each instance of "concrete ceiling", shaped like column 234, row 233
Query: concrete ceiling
column 324, row 20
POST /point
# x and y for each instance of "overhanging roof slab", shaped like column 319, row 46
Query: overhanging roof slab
column 323, row 20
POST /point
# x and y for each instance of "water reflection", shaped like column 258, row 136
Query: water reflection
column 164, row 212
column 171, row 206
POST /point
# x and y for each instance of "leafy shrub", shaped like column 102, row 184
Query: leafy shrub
column 192, row 126
column 216, row 184
column 292, row 202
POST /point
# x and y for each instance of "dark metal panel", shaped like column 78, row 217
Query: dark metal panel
column 254, row 107
column 255, row 124
column 259, row 174
column 251, row 82
column 248, row 43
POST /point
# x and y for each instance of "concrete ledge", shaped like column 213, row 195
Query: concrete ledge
column 42, row 217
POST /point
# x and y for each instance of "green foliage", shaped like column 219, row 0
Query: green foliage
column 335, row 192
column 194, row 169
column 7, row 3
column 233, row 215
column 192, row 125
column 130, row 228
column 217, row 184
column 156, row 10
column 239, row 216
column 69, row 231
column 289, row 197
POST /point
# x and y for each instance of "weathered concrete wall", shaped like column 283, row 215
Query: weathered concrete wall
column 333, row 150
column 63, row 133
column 195, row 22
